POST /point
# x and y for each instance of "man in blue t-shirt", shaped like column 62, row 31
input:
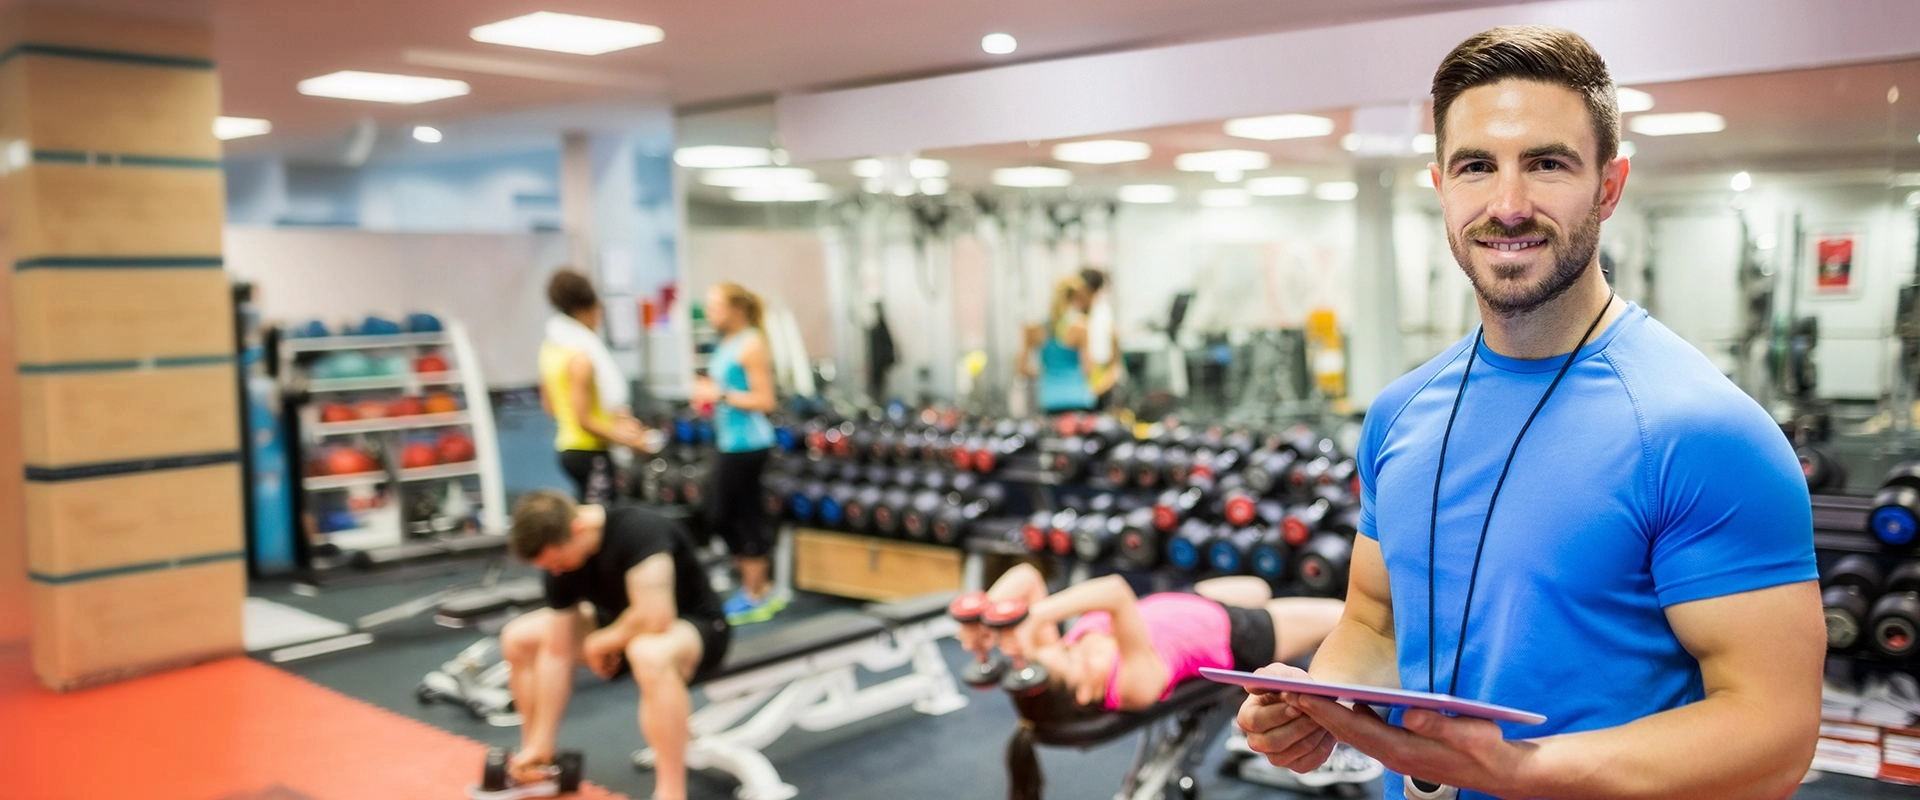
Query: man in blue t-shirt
column 1571, row 512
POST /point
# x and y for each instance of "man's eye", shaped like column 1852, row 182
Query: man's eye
column 1476, row 166
column 1550, row 164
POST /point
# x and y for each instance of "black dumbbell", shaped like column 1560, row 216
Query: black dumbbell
column 1137, row 546
column 1307, row 473
column 833, row 507
column 1322, row 564
column 950, row 526
column 1023, row 678
column 1240, row 441
column 1269, row 558
column 1267, row 470
column 1239, row 506
column 1119, row 464
column 671, row 482
column 891, row 508
column 860, row 443
column 1175, row 506
column 1033, row 533
column 1060, row 531
column 1232, row 554
column 1895, row 519
column 1214, row 464
column 1149, row 462
column 773, row 494
column 1187, row 546
column 566, row 770
column 1070, row 457
column 1094, row 537
column 1175, row 464
column 1895, row 618
column 858, row 510
column 1823, row 470
column 1303, row 521
column 994, row 450
column 917, row 520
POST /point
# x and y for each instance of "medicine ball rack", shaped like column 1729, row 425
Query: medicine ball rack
column 384, row 541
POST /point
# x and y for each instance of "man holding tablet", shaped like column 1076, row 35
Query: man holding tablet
column 1571, row 512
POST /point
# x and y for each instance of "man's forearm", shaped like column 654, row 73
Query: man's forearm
column 636, row 621
column 1356, row 653
column 1725, row 746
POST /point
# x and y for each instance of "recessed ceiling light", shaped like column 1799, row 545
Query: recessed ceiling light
column 1350, row 142
column 1424, row 179
column 1741, row 181
column 757, row 176
column 428, row 134
column 1278, row 186
column 919, row 168
column 567, row 33
column 225, row 128
column 1219, row 160
column 382, row 87
column 1336, row 190
column 1225, row 198
column 933, row 186
column 722, row 156
column 1032, row 177
column 1628, row 149
column 785, row 193
column 1632, row 101
column 998, row 44
column 1230, row 175
column 1148, row 193
column 1425, row 143
column 1280, row 126
column 1102, row 151
column 1677, row 124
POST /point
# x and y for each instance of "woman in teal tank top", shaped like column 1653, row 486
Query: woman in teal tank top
column 738, row 387
column 1062, row 381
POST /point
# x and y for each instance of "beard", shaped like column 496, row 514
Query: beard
column 1499, row 288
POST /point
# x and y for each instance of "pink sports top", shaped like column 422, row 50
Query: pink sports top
column 1186, row 631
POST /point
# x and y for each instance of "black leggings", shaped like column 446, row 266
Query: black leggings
column 592, row 474
column 735, row 510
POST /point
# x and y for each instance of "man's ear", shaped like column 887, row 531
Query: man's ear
column 1613, row 185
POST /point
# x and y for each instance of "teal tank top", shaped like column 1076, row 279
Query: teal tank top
column 1063, row 386
column 734, row 430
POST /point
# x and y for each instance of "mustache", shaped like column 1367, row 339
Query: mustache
column 1494, row 229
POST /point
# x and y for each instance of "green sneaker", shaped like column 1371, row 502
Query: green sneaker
column 742, row 610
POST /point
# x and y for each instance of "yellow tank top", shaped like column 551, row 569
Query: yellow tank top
column 559, row 387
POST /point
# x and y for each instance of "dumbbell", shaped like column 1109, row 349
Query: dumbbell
column 1060, row 528
column 917, row 520
column 1033, row 533
column 1232, row 553
column 1094, row 536
column 993, row 451
column 1269, row 558
column 1187, row 546
column 693, row 484
column 1212, row 464
column 1175, row 506
column 1895, row 618
column 1303, row 520
column 987, row 668
column 1895, row 519
column 1149, row 461
column 1070, row 457
column 566, row 770
column 888, row 512
column 906, row 445
column 1306, row 474
column 1175, row 463
column 1343, row 475
column 1022, row 678
column 1240, row 441
column 1137, row 546
column 832, row 507
column 1119, row 464
column 1239, row 506
column 1823, row 470
column 1066, row 425
column 840, row 440
column 1323, row 562
column 858, row 510
column 1849, row 588
column 672, row 480
column 773, row 494
column 950, row 525
column 1267, row 470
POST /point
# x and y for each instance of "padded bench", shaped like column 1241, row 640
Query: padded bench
column 1178, row 732
column 473, row 607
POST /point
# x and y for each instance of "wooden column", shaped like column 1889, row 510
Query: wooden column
column 122, row 346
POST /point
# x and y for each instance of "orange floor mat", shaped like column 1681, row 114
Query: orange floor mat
column 234, row 729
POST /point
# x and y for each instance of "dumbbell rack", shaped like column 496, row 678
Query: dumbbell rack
column 477, row 418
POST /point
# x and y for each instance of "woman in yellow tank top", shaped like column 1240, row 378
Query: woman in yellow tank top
column 570, row 393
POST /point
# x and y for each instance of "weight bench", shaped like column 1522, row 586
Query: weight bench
column 1178, row 733
column 802, row 675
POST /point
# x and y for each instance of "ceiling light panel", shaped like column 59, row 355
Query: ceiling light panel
column 721, row 156
column 427, row 134
column 1336, row 190
column 1633, row 101
column 567, row 33
column 999, row 44
column 1148, row 193
column 1032, row 177
column 792, row 193
column 1225, row 198
column 1221, row 161
column 225, row 128
column 382, row 87
column 1278, row 186
column 1677, row 124
column 1280, row 126
column 757, row 177
column 1102, row 151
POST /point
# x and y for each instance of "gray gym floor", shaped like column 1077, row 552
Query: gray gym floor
column 901, row 754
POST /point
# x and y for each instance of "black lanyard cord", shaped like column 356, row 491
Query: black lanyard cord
column 1473, row 577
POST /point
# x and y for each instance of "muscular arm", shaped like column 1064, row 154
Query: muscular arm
column 758, row 364
column 553, row 666
column 1753, row 735
column 1361, row 647
column 650, row 604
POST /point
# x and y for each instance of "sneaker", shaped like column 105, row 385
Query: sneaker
column 742, row 610
column 1344, row 766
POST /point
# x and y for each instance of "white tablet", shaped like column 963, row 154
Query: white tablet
column 1374, row 695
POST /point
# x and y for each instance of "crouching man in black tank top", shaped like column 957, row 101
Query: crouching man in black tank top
column 625, row 594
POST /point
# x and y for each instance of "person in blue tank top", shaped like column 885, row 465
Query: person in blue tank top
column 1064, row 380
column 1571, row 511
column 738, row 388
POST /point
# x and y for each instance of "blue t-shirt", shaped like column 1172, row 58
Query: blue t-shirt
column 1648, row 479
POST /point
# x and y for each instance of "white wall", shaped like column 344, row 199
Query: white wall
column 495, row 283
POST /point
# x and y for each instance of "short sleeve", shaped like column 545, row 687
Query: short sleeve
column 1732, row 513
column 561, row 593
column 1365, row 463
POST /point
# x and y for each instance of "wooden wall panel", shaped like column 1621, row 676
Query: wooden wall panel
column 14, row 619
column 85, row 525
column 125, row 625
column 89, row 210
column 109, row 107
column 94, row 31
column 127, row 415
column 69, row 315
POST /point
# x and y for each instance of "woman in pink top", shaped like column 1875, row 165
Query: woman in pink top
column 1126, row 653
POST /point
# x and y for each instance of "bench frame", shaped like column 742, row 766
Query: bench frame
column 819, row 691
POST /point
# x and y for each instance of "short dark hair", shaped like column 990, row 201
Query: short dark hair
column 571, row 292
column 541, row 519
column 1094, row 278
column 1530, row 52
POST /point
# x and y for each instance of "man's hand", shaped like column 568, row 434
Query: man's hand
column 1457, row 751
column 602, row 651
column 529, row 766
column 1277, row 729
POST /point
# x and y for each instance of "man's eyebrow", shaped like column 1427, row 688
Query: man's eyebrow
column 1467, row 154
column 1556, row 150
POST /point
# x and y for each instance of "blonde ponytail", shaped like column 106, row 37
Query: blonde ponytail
column 742, row 298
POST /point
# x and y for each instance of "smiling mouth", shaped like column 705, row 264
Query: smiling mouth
column 1509, row 246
